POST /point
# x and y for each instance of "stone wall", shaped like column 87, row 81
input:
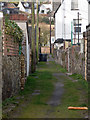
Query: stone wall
column 71, row 59
column 13, row 67
column 0, row 67
column 11, row 74
column 88, row 52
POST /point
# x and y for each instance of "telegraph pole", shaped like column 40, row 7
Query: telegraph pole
column 78, row 27
column 50, row 33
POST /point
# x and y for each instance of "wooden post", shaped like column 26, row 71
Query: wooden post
column 37, row 35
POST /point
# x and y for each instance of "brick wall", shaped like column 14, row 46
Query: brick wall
column 10, row 47
column 13, row 69
column 18, row 17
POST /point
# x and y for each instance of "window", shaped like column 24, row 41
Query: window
column 52, row 39
column 74, row 4
column 75, row 24
column 76, row 29
column 42, row 11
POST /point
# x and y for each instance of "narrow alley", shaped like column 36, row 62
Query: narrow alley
column 44, row 59
column 48, row 93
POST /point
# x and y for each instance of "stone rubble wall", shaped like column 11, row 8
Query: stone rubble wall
column 13, row 67
column 71, row 59
column 11, row 74
column 0, row 68
column 88, row 52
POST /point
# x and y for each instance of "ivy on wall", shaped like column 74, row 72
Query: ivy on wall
column 11, row 28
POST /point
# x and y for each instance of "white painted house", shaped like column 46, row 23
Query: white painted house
column 45, row 8
column 88, row 11
column 26, row 7
column 66, row 20
column 21, row 7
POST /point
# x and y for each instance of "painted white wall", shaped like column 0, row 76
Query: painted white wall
column 88, row 13
column 65, row 16
column 23, row 26
column 21, row 8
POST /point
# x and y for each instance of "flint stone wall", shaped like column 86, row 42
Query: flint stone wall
column 71, row 59
column 11, row 75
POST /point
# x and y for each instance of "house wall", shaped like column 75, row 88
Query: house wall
column 88, row 13
column 25, row 44
column 42, row 7
column 64, row 16
column 21, row 8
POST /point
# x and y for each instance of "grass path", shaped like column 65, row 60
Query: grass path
column 42, row 83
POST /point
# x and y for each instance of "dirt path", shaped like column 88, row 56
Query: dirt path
column 58, row 92
column 47, row 94
column 55, row 100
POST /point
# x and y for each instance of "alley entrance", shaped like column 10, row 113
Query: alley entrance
column 48, row 93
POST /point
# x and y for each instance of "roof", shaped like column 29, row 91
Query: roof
column 8, row 5
column 59, row 40
column 88, row 26
column 88, row 1
column 26, row 5
column 57, row 9
column 56, row 5
column 10, row 10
